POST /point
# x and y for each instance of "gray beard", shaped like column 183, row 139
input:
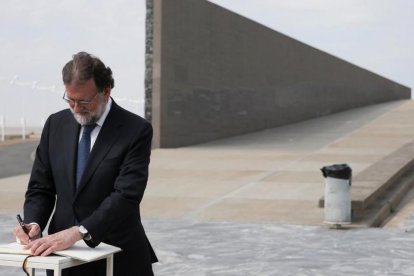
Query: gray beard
column 92, row 117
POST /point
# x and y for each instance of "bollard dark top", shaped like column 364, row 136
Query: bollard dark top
column 341, row 171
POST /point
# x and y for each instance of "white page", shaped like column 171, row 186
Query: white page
column 81, row 251
column 14, row 248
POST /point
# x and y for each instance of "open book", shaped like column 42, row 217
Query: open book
column 79, row 251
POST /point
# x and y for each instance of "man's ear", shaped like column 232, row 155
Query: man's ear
column 107, row 93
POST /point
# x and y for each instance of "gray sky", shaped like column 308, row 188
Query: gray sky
column 38, row 37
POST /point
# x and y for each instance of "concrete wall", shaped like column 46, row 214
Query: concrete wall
column 216, row 74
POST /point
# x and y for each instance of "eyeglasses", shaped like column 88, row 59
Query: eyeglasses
column 79, row 102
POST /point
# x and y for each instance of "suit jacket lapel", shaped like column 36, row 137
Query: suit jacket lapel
column 71, row 140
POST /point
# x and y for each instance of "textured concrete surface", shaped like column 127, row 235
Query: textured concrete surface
column 249, row 205
column 279, row 249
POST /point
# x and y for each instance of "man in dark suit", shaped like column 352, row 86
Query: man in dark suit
column 95, row 192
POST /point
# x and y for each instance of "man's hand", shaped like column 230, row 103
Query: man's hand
column 57, row 241
column 33, row 232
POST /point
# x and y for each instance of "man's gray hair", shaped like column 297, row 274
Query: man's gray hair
column 84, row 67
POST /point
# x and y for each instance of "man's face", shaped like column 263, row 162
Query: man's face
column 90, row 112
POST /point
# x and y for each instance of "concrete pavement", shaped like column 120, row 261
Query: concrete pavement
column 15, row 160
column 248, row 205
column 274, row 176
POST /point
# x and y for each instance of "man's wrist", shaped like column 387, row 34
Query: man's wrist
column 76, row 230
column 84, row 233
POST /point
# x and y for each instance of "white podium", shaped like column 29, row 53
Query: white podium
column 78, row 254
column 55, row 263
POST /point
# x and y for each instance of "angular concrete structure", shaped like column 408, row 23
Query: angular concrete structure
column 212, row 74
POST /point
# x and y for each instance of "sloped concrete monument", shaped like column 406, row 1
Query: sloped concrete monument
column 212, row 74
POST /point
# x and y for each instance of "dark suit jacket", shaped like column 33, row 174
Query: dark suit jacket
column 109, row 193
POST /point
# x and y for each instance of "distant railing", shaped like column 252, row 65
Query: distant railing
column 8, row 82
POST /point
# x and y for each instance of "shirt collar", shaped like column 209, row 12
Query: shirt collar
column 105, row 114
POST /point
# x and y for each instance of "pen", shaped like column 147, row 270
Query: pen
column 19, row 219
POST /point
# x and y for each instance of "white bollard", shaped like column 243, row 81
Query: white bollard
column 337, row 209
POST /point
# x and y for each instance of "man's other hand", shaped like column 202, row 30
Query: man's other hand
column 54, row 242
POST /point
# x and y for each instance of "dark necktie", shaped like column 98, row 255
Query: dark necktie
column 83, row 151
